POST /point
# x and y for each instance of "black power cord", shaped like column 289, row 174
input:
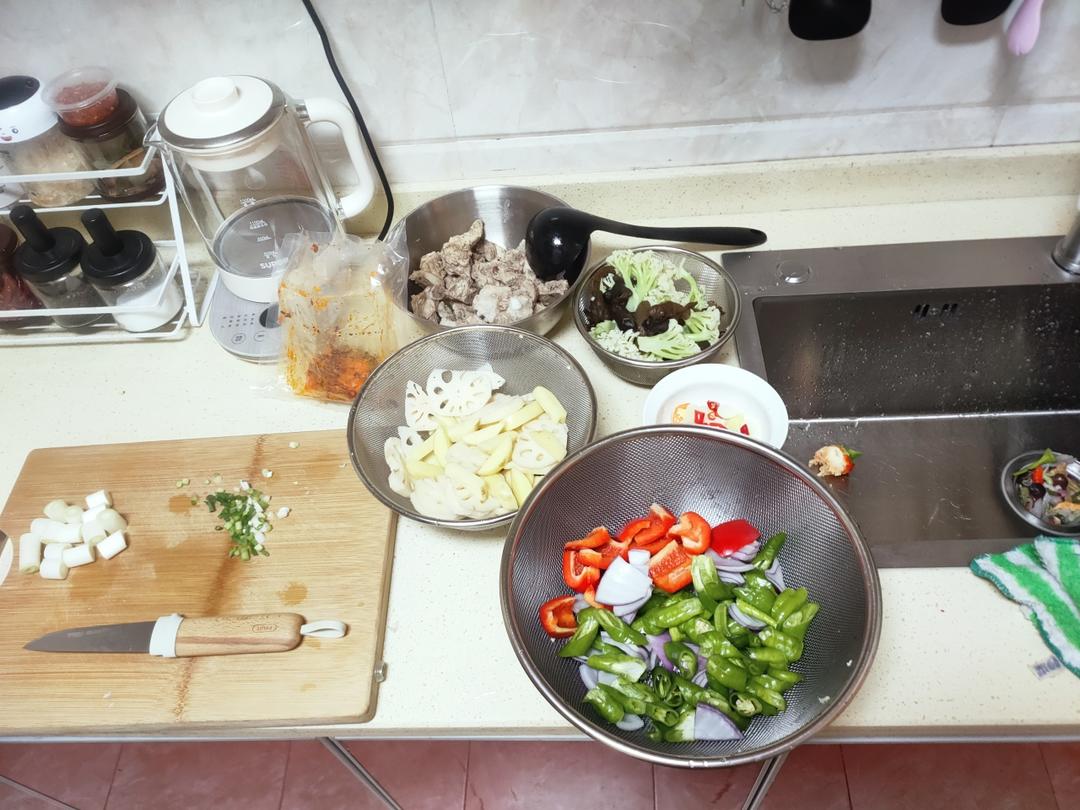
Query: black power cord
column 329, row 51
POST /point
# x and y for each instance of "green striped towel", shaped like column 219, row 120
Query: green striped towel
column 1044, row 577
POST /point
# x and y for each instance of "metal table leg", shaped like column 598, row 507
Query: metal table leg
column 359, row 771
column 769, row 769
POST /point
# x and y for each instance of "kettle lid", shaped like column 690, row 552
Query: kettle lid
column 221, row 111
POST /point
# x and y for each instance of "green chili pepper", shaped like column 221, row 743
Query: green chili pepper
column 673, row 615
column 769, row 711
column 754, row 612
column 797, row 623
column 607, row 706
column 788, row 602
column 758, row 597
column 738, row 635
column 755, row 580
column 770, row 656
column 618, row 629
column 785, row 676
column 635, row 690
column 661, row 681
column 661, row 714
column 694, row 694
column 644, row 624
column 712, row 642
column 726, row 672
column 703, row 573
column 601, row 647
column 582, row 640
column 769, row 696
column 631, row 705
column 769, row 682
column 659, row 598
column 746, row 704
column 654, row 733
column 791, row 647
column 764, row 558
column 627, row 666
column 697, row 628
column 682, row 658
column 675, row 633
column 682, row 730
column 675, row 700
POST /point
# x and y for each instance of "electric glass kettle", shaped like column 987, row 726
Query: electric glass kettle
column 240, row 153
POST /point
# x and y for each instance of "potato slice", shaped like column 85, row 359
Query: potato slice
column 500, row 490
column 442, row 443
column 550, row 443
column 521, row 484
column 523, row 415
column 422, row 450
column 550, row 403
column 500, row 454
column 421, row 469
column 456, row 428
column 482, row 435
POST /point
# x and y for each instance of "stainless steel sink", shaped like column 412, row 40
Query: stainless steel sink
column 940, row 361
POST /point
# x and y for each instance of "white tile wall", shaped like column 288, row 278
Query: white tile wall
column 458, row 89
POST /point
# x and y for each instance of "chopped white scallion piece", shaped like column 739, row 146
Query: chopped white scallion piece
column 93, row 514
column 29, row 553
column 93, row 532
column 53, row 569
column 283, row 511
column 99, row 498
column 293, row 445
column 244, row 486
column 45, row 528
column 81, row 554
column 111, row 545
column 267, row 473
column 112, row 521
column 56, row 510
column 55, row 551
column 73, row 514
column 70, row 533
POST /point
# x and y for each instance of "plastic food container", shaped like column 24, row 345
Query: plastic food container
column 31, row 140
column 83, row 96
column 116, row 142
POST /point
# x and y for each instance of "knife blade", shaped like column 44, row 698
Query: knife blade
column 174, row 636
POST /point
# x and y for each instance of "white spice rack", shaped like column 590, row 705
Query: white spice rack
column 108, row 331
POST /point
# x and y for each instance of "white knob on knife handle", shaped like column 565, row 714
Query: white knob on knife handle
column 163, row 636
column 328, row 628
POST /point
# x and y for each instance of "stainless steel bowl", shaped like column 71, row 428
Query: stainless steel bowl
column 715, row 283
column 506, row 211
column 722, row 476
column 1012, row 497
column 524, row 359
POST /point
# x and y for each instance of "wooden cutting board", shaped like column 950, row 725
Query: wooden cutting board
column 329, row 559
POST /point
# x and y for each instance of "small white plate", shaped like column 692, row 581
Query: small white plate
column 734, row 389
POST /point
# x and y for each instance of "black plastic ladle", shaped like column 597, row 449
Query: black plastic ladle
column 556, row 238
column 817, row 20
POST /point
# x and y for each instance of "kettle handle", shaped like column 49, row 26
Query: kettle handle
column 336, row 113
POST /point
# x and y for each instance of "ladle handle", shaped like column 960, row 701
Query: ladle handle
column 735, row 237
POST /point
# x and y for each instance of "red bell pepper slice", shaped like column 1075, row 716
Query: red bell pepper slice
column 609, row 553
column 652, row 548
column 694, row 532
column 557, row 617
column 576, row 573
column 1037, row 475
column 594, row 539
column 633, row 529
column 729, row 537
column 647, row 530
column 670, row 568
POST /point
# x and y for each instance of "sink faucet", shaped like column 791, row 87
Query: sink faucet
column 1067, row 253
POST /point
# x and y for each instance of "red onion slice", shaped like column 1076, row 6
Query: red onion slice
column 743, row 619
column 629, row 649
column 701, row 678
column 638, row 556
column 579, row 604
column 656, row 647
column 622, row 584
column 713, row 724
column 775, row 575
column 626, row 612
column 589, row 676
column 723, row 563
column 731, row 577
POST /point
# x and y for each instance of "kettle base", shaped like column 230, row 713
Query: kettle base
column 246, row 329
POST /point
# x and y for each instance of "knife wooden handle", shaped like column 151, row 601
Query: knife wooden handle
column 233, row 635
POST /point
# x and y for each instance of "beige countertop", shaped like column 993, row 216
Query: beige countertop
column 955, row 658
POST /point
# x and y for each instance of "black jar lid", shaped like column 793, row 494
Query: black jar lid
column 114, row 257
column 48, row 253
column 126, row 109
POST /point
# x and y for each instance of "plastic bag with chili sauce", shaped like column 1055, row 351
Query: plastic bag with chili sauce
column 336, row 315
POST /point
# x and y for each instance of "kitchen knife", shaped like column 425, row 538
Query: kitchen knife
column 177, row 637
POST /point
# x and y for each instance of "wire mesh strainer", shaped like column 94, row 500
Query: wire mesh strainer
column 722, row 476
column 522, row 358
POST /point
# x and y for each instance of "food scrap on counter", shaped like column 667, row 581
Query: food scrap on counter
column 471, row 280
column 834, row 460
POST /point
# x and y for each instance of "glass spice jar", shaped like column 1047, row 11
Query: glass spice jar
column 15, row 293
column 116, row 142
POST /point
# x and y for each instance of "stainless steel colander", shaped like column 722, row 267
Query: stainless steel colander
column 722, row 476
column 522, row 358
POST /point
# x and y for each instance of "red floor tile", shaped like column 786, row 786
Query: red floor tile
column 722, row 788
column 1063, row 765
column 545, row 775
column 956, row 777
column 74, row 773
column 419, row 774
column 812, row 778
column 219, row 775
column 15, row 799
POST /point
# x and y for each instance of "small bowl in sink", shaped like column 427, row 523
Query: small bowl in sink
column 1011, row 493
